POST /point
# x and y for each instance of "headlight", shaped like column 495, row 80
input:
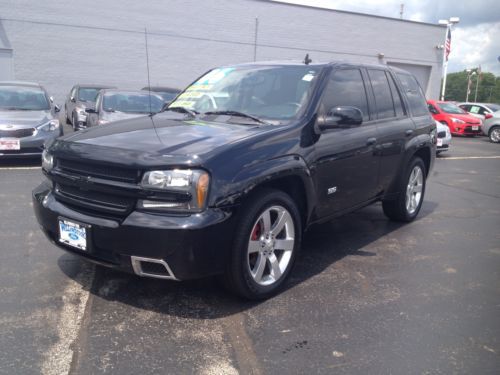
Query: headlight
column 457, row 120
column 194, row 183
column 47, row 161
column 50, row 126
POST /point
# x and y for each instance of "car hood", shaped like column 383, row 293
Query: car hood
column 24, row 119
column 160, row 139
column 466, row 118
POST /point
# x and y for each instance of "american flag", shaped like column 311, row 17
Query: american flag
column 447, row 46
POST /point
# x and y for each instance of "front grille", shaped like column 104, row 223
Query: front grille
column 442, row 134
column 17, row 133
column 94, row 202
column 473, row 123
column 469, row 129
column 87, row 169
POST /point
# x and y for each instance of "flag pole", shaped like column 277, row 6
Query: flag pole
column 445, row 61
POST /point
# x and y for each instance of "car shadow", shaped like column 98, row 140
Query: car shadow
column 323, row 245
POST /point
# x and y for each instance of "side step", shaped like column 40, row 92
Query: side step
column 149, row 267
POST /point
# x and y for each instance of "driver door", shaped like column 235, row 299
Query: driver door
column 346, row 162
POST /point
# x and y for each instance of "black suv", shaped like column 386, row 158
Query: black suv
column 226, row 179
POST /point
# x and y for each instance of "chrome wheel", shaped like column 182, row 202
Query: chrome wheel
column 271, row 245
column 495, row 135
column 414, row 189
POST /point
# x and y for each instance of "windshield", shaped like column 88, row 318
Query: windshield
column 451, row 108
column 276, row 94
column 132, row 102
column 23, row 98
column 88, row 94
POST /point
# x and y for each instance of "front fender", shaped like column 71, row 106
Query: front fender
column 266, row 172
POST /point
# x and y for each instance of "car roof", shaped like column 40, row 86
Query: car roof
column 121, row 91
column 161, row 89
column 20, row 83
column 95, row 86
column 319, row 64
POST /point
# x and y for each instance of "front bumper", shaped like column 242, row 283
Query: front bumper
column 468, row 130
column 193, row 246
column 30, row 146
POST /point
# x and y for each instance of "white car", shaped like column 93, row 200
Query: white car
column 483, row 111
column 443, row 137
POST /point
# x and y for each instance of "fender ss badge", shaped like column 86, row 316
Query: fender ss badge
column 332, row 190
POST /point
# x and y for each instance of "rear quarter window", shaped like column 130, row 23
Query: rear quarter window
column 413, row 91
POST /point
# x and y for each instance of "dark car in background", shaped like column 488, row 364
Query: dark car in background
column 80, row 98
column 227, row 178
column 28, row 118
column 167, row 93
column 113, row 105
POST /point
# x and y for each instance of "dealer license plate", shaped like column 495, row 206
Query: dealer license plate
column 475, row 128
column 439, row 142
column 73, row 234
column 10, row 144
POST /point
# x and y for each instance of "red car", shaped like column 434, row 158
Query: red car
column 459, row 121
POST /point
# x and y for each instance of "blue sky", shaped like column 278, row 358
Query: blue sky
column 475, row 40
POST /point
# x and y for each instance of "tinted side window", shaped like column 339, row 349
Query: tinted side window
column 414, row 94
column 346, row 88
column 396, row 96
column 433, row 109
column 382, row 91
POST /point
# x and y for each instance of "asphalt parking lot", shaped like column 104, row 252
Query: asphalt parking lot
column 367, row 295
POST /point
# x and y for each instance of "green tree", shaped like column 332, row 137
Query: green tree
column 488, row 89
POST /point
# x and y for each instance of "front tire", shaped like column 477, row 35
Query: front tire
column 265, row 245
column 407, row 205
column 494, row 134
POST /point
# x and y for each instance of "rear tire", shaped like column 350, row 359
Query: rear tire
column 407, row 205
column 265, row 245
column 494, row 134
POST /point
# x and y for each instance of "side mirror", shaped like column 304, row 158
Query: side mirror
column 90, row 110
column 433, row 111
column 57, row 109
column 338, row 117
column 72, row 99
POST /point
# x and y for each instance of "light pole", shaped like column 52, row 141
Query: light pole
column 447, row 47
column 470, row 73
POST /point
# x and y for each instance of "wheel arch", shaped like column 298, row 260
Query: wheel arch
column 289, row 174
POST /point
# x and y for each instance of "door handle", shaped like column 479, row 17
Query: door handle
column 409, row 132
column 371, row 141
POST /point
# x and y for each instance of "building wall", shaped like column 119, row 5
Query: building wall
column 61, row 43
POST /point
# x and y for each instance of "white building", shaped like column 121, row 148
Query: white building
column 60, row 43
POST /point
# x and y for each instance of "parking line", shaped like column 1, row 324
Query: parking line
column 469, row 157
column 17, row 168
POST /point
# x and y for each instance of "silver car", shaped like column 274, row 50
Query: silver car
column 443, row 137
column 28, row 118
column 115, row 105
column 79, row 99
column 491, row 127
column 483, row 111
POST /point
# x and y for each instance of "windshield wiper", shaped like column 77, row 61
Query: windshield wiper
column 191, row 112
column 236, row 113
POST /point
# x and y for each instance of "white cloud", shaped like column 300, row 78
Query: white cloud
column 474, row 46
